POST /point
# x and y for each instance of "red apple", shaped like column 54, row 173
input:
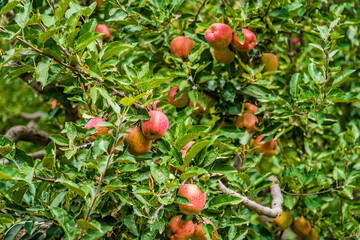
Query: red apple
column 249, row 41
column 247, row 121
column 156, row 126
column 136, row 142
column 224, row 55
column 179, row 229
column 218, row 35
column 100, row 130
column 179, row 102
column 196, row 197
column 313, row 235
column 270, row 61
column 250, row 108
column 181, row 46
column 199, row 233
column 269, row 148
column 102, row 28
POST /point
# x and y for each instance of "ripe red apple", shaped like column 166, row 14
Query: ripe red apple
column 156, row 126
column 181, row 101
column 218, row 35
column 102, row 28
column 181, row 46
column 283, row 221
column 199, row 233
column 249, row 41
column 196, row 197
column 179, row 229
column 270, row 61
column 98, row 3
column 247, row 121
column 301, row 226
column 249, row 108
column 224, row 55
column 100, row 130
column 269, row 148
column 136, row 142
column 200, row 109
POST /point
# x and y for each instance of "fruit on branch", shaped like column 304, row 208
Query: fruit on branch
column 295, row 41
column 270, row 61
column 249, row 41
column 196, row 197
column 185, row 148
column 102, row 28
column 136, row 142
column 313, row 235
column 301, row 227
column 199, row 233
column 269, row 148
column 200, row 109
column 283, row 221
column 181, row 46
column 219, row 35
column 98, row 3
column 224, row 55
column 247, row 121
column 249, row 108
column 179, row 102
column 152, row 106
column 179, row 229
column 100, row 130
column 156, row 126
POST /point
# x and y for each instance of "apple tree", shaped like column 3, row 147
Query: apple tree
column 174, row 119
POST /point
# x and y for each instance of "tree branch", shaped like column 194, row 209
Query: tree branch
column 277, row 199
column 199, row 10
column 40, row 154
column 24, row 133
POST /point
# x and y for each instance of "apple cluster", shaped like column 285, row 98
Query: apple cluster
column 220, row 36
column 139, row 139
column 179, row 229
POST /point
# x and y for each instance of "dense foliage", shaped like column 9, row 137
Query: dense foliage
column 77, row 185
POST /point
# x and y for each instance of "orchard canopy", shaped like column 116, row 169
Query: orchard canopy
column 180, row 119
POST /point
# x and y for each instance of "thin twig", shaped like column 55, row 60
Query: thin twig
column 44, row 179
column 267, row 9
column 199, row 10
column 104, row 172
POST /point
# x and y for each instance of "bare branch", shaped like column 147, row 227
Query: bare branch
column 277, row 199
column 24, row 133
column 32, row 116
column 40, row 154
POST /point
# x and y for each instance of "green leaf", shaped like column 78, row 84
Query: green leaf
column 13, row 232
column 160, row 173
column 83, row 224
column 60, row 140
column 185, row 140
column 294, row 85
column 340, row 78
column 42, row 72
column 72, row 186
column 9, row 6
column 23, row 16
column 192, row 172
column 61, row 9
column 48, row 34
column 222, row 200
column 115, row 48
column 195, row 149
column 65, row 220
